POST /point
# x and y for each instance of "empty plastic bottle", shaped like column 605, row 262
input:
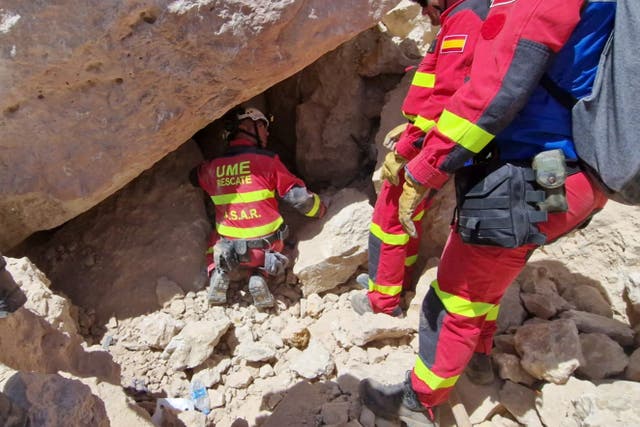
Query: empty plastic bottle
column 200, row 396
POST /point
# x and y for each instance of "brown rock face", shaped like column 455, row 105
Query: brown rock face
column 94, row 93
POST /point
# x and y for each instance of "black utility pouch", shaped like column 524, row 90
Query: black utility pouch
column 496, row 205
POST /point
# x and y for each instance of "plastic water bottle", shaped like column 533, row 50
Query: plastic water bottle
column 200, row 396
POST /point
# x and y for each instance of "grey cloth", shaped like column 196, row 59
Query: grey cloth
column 605, row 124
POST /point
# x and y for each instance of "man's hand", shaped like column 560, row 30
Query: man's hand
column 393, row 162
column 412, row 195
column 392, row 137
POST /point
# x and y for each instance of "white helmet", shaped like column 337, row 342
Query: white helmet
column 253, row 114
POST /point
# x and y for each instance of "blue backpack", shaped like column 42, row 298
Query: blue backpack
column 606, row 123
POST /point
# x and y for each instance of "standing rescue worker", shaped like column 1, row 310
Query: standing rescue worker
column 504, row 102
column 392, row 251
column 243, row 185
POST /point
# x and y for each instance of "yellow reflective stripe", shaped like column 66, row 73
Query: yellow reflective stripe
column 421, row 79
column 463, row 132
column 418, row 216
column 410, row 260
column 410, row 117
column 388, row 238
column 249, row 232
column 251, row 196
column 423, row 123
column 493, row 313
column 209, row 250
column 463, row 307
column 434, row 381
column 386, row 290
column 316, row 206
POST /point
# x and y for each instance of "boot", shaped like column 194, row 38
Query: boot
column 396, row 402
column 259, row 290
column 480, row 369
column 218, row 285
column 363, row 280
column 361, row 305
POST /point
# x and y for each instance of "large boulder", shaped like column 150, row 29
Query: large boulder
column 96, row 92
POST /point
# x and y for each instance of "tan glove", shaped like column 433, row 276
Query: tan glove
column 392, row 137
column 393, row 162
column 412, row 195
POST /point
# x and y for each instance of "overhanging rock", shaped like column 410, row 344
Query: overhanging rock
column 96, row 92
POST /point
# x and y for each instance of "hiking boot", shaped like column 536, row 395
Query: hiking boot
column 480, row 369
column 396, row 402
column 363, row 280
column 262, row 297
column 361, row 305
column 218, row 285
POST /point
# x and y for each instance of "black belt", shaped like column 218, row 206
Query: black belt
column 266, row 241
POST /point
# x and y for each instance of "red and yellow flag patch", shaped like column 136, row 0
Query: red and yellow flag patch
column 453, row 43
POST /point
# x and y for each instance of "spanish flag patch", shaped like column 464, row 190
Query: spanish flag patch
column 453, row 43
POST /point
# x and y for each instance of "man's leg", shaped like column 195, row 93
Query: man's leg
column 461, row 305
column 388, row 252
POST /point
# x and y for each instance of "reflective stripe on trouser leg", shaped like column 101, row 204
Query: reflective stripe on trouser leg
column 450, row 328
column 388, row 255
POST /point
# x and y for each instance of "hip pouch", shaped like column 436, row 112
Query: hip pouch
column 496, row 205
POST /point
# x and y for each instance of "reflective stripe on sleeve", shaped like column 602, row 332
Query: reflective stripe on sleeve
column 316, row 206
column 421, row 79
column 462, row 131
column 423, row 123
column 251, row 196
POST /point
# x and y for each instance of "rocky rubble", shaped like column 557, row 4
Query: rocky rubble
column 117, row 316
column 300, row 363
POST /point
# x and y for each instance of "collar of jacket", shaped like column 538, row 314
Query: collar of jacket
column 242, row 142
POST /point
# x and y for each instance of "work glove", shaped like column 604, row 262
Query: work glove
column 392, row 137
column 412, row 195
column 393, row 162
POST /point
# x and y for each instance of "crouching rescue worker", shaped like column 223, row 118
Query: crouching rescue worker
column 243, row 185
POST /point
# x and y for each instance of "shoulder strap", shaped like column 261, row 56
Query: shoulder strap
column 566, row 99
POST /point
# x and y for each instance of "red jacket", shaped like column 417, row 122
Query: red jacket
column 243, row 185
column 518, row 40
column 443, row 70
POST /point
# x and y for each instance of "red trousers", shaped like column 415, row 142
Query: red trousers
column 459, row 311
column 392, row 252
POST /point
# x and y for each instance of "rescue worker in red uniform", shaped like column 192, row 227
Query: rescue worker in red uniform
column 504, row 103
column 392, row 252
column 249, row 230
